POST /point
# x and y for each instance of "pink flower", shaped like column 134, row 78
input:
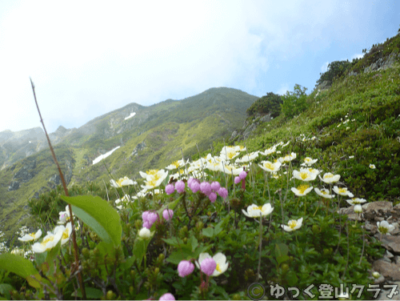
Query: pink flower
column 152, row 217
column 212, row 196
column 223, row 193
column 146, row 224
column 189, row 182
column 205, row 188
column 145, row 216
column 195, row 187
column 237, row 180
column 185, row 268
column 215, row 186
column 168, row 214
column 180, row 186
column 169, row 189
column 167, row 297
column 208, row 266
column 242, row 175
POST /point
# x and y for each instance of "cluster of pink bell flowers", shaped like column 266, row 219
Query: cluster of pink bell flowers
column 210, row 190
column 150, row 217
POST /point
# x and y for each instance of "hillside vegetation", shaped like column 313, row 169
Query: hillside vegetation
column 236, row 215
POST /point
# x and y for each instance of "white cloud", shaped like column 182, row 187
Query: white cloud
column 324, row 67
column 283, row 89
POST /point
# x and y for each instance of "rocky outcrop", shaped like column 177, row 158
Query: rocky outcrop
column 383, row 63
column 13, row 186
column 324, row 85
column 27, row 171
column 138, row 148
column 389, row 265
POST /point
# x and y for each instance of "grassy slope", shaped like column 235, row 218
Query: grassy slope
column 166, row 128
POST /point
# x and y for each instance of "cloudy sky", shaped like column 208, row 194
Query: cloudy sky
column 89, row 58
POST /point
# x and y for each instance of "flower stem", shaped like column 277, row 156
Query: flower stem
column 260, row 246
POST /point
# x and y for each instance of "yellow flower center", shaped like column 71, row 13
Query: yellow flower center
column 260, row 208
column 269, row 166
column 311, row 170
column 231, row 155
column 152, row 171
column 307, row 160
column 48, row 239
column 383, row 230
column 65, row 234
column 218, row 268
column 176, row 164
column 32, row 235
column 342, row 190
column 302, row 188
column 303, row 175
column 241, row 147
column 292, row 224
column 324, row 192
column 327, row 176
column 275, row 160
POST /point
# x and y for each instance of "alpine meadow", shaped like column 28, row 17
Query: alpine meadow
column 222, row 195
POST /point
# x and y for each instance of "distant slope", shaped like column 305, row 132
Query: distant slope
column 153, row 137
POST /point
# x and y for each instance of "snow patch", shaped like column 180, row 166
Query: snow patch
column 130, row 116
column 99, row 158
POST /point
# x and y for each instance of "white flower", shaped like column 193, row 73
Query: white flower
column 372, row 166
column 64, row 216
column 351, row 157
column 309, row 161
column 268, row 151
column 376, row 275
column 304, row 175
column 293, row 225
column 256, row 211
column 302, row 190
column 356, row 201
column 125, row 181
column 324, row 193
column 384, row 227
column 176, row 164
column 144, row 233
column 66, row 232
column 275, row 175
column 330, row 178
column 30, row 237
column 220, row 260
column 49, row 242
column 248, row 157
column 154, row 180
column 342, row 191
column 230, row 169
column 269, row 166
column 17, row 251
column 287, row 158
column 229, row 153
column 357, row 209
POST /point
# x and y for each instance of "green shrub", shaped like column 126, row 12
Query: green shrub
column 294, row 102
column 266, row 104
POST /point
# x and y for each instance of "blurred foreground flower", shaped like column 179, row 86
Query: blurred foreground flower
column 49, row 241
column 167, row 297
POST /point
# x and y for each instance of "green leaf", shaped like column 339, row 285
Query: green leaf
column 281, row 259
column 51, row 256
column 177, row 256
column 91, row 293
column 22, row 267
column 40, row 258
column 129, row 263
column 281, row 250
column 193, row 241
column 5, row 290
column 99, row 215
column 209, row 232
column 174, row 241
column 105, row 249
column 139, row 250
column 291, row 278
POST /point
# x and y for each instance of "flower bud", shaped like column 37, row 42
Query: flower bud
column 144, row 233
column 185, row 268
column 169, row 189
column 168, row 214
column 208, row 266
column 212, row 196
column 180, row 186
column 215, row 186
